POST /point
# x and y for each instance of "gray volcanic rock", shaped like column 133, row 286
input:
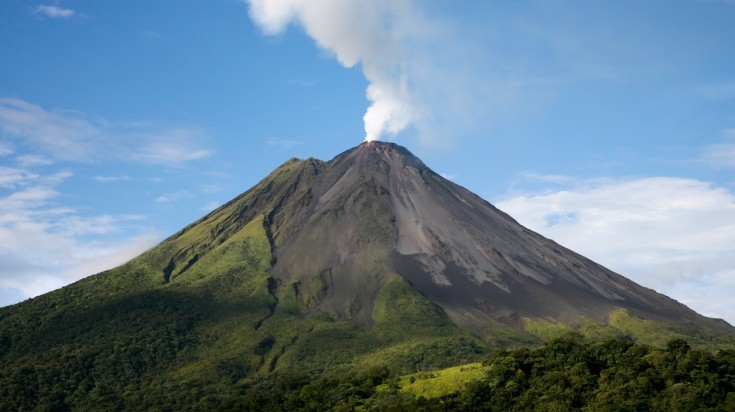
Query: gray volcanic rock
column 344, row 226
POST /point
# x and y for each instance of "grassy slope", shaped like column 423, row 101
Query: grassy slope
column 621, row 323
column 442, row 382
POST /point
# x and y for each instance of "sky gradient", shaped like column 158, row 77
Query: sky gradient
column 606, row 126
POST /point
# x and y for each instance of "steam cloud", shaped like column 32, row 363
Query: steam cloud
column 372, row 33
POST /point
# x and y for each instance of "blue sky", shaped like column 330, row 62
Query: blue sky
column 608, row 126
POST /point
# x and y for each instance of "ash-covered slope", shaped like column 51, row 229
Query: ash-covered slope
column 377, row 210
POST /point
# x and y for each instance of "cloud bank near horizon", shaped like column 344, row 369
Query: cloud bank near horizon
column 46, row 240
column 45, row 245
column 674, row 235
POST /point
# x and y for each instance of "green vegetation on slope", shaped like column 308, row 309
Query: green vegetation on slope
column 399, row 310
column 621, row 323
column 202, row 322
column 571, row 374
column 440, row 383
column 566, row 374
column 130, row 338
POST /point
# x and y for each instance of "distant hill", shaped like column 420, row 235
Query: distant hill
column 367, row 262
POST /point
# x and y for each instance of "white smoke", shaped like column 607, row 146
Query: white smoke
column 373, row 33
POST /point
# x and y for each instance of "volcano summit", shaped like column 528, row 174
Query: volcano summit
column 369, row 259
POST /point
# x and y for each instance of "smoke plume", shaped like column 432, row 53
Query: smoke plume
column 372, row 33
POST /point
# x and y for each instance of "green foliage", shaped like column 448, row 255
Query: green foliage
column 312, row 291
column 439, row 383
column 399, row 310
column 570, row 373
column 566, row 374
column 214, row 330
column 622, row 324
column 547, row 329
column 647, row 331
column 174, row 347
column 425, row 353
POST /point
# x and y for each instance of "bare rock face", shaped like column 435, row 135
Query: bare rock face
column 340, row 228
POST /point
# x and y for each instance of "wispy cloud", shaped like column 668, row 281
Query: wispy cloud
column 174, row 196
column 721, row 155
column 171, row 152
column 108, row 179
column 283, row 144
column 664, row 233
column 547, row 178
column 29, row 160
column 11, row 178
column 211, row 206
column 73, row 137
column 6, row 149
column 54, row 12
column 211, row 188
column 150, row 35
column 44, row 245
column 63, row 137
column 717, row 91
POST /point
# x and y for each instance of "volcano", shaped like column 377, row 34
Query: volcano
column 342, row 228
column 369, row 259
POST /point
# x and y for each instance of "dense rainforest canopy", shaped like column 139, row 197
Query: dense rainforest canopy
column 565, row 374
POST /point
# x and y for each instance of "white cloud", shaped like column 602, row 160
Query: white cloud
column 54, row 12
column 72, row 137
column 97, row 256
column 6, row 149
column 60, row 260
column 171, row 147
column 211, row 188
column 44, row 246
column 173, row 197
column 721, row 155
column 64, row 137
column 29, row 160
column 283, row 144
column 547, row 178
column 108, row 179
column 11, row 178
column 669, row 234
column 150, row 35
column 211, row 206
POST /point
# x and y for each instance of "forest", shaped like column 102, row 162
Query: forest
column 569, row 373
column 565, row 374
